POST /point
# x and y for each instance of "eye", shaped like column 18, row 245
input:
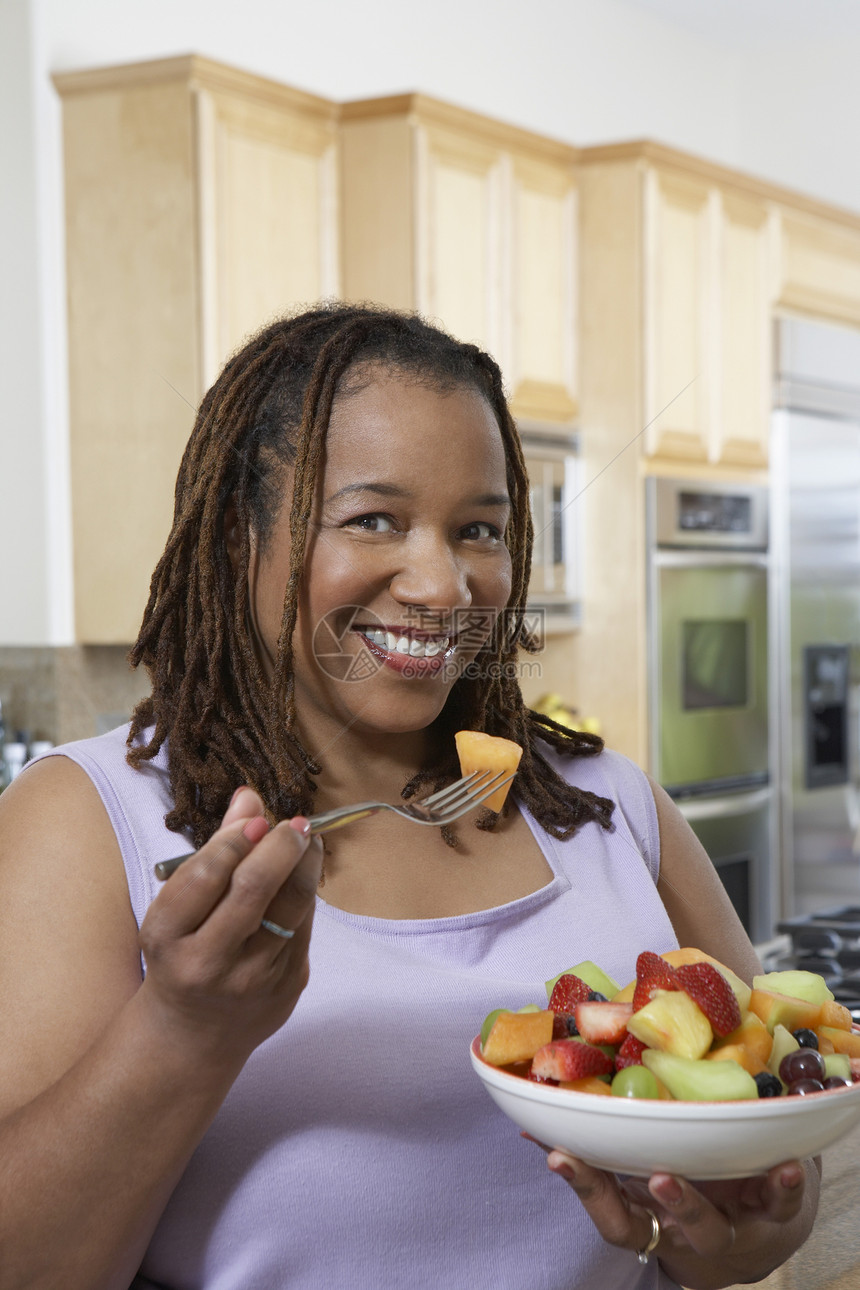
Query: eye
column 372, row 523
column 481, row 531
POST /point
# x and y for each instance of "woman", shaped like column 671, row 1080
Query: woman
column 342, row 590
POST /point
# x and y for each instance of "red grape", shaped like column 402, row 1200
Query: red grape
column 800, row 1087
column 803, row 1063
column 836, row 1081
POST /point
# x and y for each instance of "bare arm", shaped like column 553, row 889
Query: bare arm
column 107, row 1084
column 695, row 899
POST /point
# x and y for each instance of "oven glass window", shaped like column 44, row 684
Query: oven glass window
column 715, row 670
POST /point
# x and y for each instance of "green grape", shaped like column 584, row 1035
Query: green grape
column 635, row 1081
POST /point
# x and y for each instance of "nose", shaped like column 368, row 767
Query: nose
column 432, row 576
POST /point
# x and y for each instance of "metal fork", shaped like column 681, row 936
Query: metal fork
column 440, row 808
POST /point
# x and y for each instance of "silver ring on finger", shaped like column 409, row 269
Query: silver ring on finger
column 283, row 932
column 644, row 1254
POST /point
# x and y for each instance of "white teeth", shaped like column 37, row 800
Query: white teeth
column 403, row 645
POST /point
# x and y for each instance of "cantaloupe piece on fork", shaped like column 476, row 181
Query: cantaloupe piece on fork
column 480, row 752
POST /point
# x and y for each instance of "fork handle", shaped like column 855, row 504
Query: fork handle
column 324, row 823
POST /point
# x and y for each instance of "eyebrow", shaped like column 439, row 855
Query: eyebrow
column 393, row 490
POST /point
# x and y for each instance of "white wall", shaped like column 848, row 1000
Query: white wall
column 587, row 71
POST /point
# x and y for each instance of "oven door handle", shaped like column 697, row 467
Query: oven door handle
column 714, row 808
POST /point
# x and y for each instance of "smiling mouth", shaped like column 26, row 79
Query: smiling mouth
column 409, row 646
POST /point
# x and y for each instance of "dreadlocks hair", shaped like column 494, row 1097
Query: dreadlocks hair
column 224, row 721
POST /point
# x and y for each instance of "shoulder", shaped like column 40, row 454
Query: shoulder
column 612, row 775
column 68, row 940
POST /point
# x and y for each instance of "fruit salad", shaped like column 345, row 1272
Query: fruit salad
column 686, row 1028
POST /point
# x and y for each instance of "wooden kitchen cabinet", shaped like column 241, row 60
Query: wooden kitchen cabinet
column 200, row 201
column 709, row 293
column 473, row 223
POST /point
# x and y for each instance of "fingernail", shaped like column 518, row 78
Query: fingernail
column 561, row 1166
column 669, row 1191
column 791, row 1177
column 301, row 825
column 256, row 829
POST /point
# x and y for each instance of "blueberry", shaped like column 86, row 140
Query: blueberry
column 570, row 1022
column 806, row 1038
column 594, row 996
column 768, row 1085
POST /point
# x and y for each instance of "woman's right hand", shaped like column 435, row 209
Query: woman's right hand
column 212, row 969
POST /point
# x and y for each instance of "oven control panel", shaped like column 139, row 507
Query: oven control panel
column 688, row 513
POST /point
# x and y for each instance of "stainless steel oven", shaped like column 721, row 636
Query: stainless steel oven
column 709, row 676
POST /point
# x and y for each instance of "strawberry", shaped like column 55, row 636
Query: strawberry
column 652, row 974
column 710, row 990
column 567, row 992
column 602, row 1023
column 566, row 1059
column 630, row 1053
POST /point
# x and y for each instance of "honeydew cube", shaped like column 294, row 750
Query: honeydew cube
column 837, row 1064
column 783, row 1043
column 795, row 983
column 693, row 1080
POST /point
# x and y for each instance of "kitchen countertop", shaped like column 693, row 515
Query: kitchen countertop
column 830, row 1259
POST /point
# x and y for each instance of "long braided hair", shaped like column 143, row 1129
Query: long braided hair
column 224, row 721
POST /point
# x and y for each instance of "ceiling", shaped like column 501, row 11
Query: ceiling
column 742, row 23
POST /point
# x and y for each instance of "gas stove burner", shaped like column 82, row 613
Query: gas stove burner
column 827, row 942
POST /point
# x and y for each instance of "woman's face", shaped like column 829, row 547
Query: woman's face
column 406, row 568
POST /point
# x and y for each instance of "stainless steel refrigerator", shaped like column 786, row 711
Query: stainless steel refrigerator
column 816, row 613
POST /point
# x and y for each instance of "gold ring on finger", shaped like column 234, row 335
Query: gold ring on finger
column 645, row 1253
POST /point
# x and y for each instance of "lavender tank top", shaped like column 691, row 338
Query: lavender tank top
column 357, row 1148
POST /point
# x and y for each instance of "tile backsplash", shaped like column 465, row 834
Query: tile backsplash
column 61, row 693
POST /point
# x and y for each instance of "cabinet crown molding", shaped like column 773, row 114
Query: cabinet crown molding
column 428, row 110
column 198, row 73
column 688, row 164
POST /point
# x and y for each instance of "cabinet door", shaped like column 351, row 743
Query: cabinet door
column 458, row 235
column 543, row 313
column 742, row 427
column 133, row 369
column 679, row 313
column 268, row 218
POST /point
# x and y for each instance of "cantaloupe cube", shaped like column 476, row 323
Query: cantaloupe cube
column 834, row 1014
column 825, row 1046
column 843, row 1041
column 781, row 1009
column 478, row 751
column 588, row 1084
column 739, row 1053
column 516, row 1037
column 753, row 1034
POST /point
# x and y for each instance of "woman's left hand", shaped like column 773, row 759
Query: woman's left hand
column 712, row 1234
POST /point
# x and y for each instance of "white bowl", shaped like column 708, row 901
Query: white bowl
column 640, row 1136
